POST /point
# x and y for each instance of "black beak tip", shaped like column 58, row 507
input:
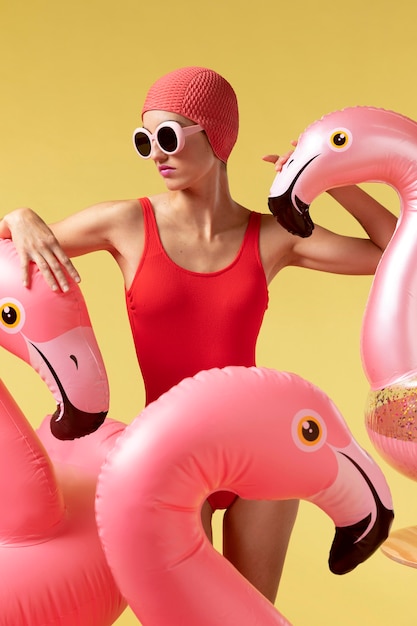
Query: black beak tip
column 297, row 222
column 75, row 423
column 348, row 551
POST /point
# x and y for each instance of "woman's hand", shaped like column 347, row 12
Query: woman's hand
column 35, row 241
column 279, row 161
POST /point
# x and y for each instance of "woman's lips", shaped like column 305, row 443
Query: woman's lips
column 165, row 170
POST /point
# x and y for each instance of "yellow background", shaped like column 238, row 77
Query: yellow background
column 73, row 77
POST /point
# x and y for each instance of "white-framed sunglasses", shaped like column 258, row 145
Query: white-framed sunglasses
column 169, row 136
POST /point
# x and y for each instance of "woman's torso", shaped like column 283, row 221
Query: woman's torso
column 184, row 321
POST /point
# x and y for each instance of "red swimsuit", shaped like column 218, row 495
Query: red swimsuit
column 184, row 322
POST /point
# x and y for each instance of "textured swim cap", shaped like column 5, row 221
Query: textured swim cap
column 202, row 96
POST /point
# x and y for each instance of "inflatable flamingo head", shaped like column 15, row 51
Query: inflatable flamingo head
column 350, row 146
column 367, row 144
column 52, row 332
column 254, row 432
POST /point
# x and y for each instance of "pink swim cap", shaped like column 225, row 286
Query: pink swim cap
column 203, row 96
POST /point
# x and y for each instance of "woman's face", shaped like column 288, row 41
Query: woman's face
column 185, row 168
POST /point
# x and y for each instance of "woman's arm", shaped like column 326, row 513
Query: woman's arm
column 375, row 219
column 35, row 241
column 330, row 252
column 103, row 226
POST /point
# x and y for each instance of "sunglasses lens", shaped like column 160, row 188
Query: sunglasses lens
column 167, row 139
column 143, row 144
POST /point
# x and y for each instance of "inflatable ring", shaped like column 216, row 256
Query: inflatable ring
column 346, row 147
column 258, row 433
column 52, row 567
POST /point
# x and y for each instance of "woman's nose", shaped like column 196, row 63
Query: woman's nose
column 156, row 153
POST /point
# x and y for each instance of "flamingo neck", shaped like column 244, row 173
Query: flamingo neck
column 32, row 504
column 389, row 353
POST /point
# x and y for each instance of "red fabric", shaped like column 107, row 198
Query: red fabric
column 184, row 322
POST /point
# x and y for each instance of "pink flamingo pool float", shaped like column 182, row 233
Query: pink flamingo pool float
column 53, row 570
column 38, row 326
column 355, row 145
column 260, row 433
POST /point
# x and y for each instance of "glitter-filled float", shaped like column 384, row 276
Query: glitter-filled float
column 356, row 145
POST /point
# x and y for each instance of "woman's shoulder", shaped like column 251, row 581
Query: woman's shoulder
column 276, row 246
column 271, row 229
column 118, row 214
column 112, row 221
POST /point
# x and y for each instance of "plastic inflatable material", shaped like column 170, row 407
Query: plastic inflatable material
column 258, row 433
column 357, row 145
column 76, row 377
column 53, row 570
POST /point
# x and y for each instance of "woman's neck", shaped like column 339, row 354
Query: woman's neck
column 206, row 205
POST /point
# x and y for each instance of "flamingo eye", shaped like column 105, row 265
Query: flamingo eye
column 340, row 139
column 309, row 431
column 12, row 315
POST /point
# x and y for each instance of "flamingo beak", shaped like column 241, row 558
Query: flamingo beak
column 289, row 211
column 69, row 423
column 75, row 417
column 347, row 552
column 355, row 543
column 294, row 218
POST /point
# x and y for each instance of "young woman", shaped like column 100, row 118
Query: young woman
column 196, row 266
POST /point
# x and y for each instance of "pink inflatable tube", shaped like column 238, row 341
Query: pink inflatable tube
column 53, row 571
column 41, row 327
column 256, row 432
column 356, row 145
